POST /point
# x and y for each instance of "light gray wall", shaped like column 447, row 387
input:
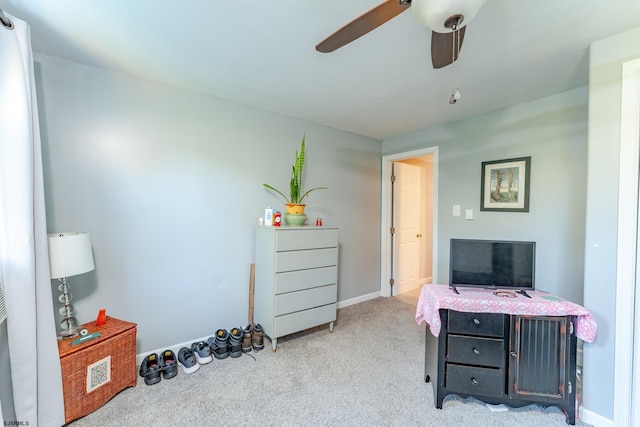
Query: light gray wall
column 553, row 131
column 606, row 59
column 169, row 184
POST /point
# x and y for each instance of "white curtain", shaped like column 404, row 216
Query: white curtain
column 31, row 332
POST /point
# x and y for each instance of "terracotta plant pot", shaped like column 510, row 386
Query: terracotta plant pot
column 295, row 208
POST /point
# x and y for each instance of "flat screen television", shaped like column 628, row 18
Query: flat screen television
column 494, row 264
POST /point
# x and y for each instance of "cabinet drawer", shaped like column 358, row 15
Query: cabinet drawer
column 474, row 380
column 300, row 260
column 305, row 279
column 300, row 320
column 293, row 240
column 303, row 300
column 476, row 351
column 483, row 324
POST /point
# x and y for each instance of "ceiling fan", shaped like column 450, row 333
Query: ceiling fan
column 447, row 20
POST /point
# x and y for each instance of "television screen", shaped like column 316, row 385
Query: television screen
column 492, row 264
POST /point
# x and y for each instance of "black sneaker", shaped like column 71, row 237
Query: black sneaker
column 220, row 344
column 150, row 369
column 169, row 364
column 202, row 352
column 187, row 360
column 235, row 342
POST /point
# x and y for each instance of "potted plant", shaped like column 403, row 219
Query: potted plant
column 293, row 203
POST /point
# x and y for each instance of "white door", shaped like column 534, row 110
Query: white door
column 406, row 214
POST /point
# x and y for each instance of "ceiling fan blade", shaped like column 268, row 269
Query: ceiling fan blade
column 442, row 50
column 362, row 25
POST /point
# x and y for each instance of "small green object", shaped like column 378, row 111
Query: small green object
column 295, row 220
column 551, row 298
column 85, row 338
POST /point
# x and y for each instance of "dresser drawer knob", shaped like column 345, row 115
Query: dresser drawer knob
column 474, row 381
column 476, row 351
column 476, row 321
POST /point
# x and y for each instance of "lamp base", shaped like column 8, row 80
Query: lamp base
column 69, row 322
column 67, row 334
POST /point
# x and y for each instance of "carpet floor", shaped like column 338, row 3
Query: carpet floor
column 369, row 371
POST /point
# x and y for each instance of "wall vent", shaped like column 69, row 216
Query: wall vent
column 3, row 306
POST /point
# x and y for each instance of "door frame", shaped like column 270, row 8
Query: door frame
column 627, row 335
column 387, row 207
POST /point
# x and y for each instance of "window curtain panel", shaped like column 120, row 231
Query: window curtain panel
column 33, row 362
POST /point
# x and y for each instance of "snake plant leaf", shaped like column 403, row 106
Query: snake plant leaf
column 301, row 163
column 277, row 191
column 296, row 194
column 313, row 189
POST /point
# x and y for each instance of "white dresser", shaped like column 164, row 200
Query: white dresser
column 296, row 279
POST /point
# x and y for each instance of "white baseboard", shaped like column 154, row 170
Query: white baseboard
column 592, row 418
column 357, row 300
column 176, row 347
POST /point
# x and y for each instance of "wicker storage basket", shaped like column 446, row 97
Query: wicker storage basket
column 95, row 371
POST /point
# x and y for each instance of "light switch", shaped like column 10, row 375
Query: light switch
column 468, row 214
column 456, row 210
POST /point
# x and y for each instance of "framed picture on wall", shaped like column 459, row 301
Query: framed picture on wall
column 505, row 185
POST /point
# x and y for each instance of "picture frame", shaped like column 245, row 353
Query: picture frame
column 505, row 185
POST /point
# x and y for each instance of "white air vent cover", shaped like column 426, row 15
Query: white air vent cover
column 3, row 306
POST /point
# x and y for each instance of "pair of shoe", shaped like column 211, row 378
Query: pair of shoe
column 236, row 342
column 219, row 344
column 190, row 359
column 252, row 338
column 154, row 368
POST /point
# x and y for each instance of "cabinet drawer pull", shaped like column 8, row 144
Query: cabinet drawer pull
column 476, row 351
column 476, row 321
column 474, row 381
column 514, row 354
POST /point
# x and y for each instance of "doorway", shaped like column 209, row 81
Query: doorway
column 627, row 331
column 409, row 222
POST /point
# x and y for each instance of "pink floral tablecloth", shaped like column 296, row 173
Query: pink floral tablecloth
column 474, row 300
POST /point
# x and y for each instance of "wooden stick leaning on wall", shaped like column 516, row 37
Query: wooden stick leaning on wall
column 252, row 281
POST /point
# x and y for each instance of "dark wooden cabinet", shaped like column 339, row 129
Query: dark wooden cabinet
column 499, row 358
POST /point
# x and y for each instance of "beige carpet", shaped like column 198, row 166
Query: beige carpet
column 369, row 371
column 410, row 297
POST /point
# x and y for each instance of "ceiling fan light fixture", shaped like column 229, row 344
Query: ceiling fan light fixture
column 435, row 13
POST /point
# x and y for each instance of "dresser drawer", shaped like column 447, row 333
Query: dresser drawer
column 305, row 279
column 300, row 320
column 474, row 380
column 300, row 260
column 483, row 324
column 303, row 300
column 476, row 351
column 293, row 240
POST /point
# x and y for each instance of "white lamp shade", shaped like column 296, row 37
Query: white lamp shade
column 69, row 254
column 434, row 13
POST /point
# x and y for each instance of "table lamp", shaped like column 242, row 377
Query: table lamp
column 69, row 255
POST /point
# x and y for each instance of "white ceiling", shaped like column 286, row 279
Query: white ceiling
column 262, row 53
